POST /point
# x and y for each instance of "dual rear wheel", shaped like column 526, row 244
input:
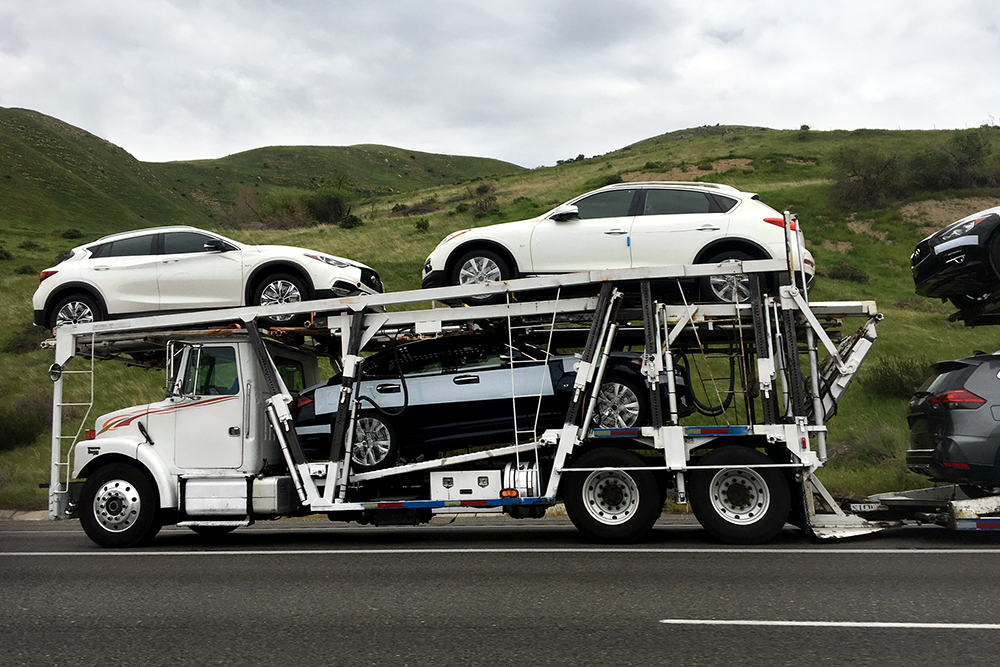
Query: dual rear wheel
column 736, row 501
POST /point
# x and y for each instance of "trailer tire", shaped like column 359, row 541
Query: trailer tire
column 614, row 506
column 740, row 505
column 119, row 506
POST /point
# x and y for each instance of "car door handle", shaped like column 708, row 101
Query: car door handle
column 709, row 228
column 466, row 379
column 101, row 268
column 169, row 261
column 387, row 388
column 616, row 232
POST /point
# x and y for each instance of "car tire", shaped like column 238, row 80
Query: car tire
column 79, row 308
column 621, row 403
column 614, row 506
column 726, row 288
column 279, row 288
column 478, row 267
column 119, row 506
column 375, row 444
column 739, row 504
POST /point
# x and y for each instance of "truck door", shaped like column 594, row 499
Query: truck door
column 208, row 410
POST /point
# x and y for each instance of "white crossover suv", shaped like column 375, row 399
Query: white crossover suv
column 623, row 226
column 166, row 269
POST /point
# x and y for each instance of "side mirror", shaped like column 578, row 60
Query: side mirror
column 215, row 245
column 565, row 213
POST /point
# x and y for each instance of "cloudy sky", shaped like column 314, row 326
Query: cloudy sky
column 528, row 81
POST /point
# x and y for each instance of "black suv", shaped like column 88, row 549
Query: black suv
column 954, row 421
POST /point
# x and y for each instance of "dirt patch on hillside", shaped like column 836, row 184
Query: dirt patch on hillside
column 837, row 246
column 677, row 174
column 933, row 215
column 865, row 227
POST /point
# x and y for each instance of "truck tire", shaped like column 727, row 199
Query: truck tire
column 613, row 506
column 119, row 506
column 740, row 505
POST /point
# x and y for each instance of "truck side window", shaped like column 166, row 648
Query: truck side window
column 212, row 371
column 292, row 373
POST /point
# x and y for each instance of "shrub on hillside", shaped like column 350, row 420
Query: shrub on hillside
column 25, row 418
column 893, row 376
column 350, row 222
column 72, row 234
column 867, row 177
column 5, row 254
column 846, row 271
column 422, row 224
column 24, row 270
column 31, row 245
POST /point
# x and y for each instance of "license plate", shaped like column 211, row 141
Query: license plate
column 865, row 507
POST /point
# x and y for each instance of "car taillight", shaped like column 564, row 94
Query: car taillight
column 301, row 402
column 957, row 398
column 46, row 274
column 780, row 222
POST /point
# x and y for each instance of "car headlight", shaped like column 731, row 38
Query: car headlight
column 960, row 230
column 332, row 261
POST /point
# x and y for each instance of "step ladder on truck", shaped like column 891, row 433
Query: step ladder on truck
column 221, row 451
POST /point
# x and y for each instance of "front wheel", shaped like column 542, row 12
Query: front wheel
column 119, row 506
column 615, row 506
column 736, row 503
column 278, row 289
column 479, row 267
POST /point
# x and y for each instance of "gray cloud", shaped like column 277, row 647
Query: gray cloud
column 526, row 81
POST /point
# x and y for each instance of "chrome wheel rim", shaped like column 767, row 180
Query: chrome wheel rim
column 478, row 270
column 610, row 496
column 740, row 495
column 617, row 406
column 280, row 291
column 117, row 505
column 74, row 312
column 372, row 442
column 732, row 287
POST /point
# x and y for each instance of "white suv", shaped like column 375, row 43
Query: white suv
column 182, row 268
column 622, row 226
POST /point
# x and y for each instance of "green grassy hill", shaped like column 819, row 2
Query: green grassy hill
column 54, row 177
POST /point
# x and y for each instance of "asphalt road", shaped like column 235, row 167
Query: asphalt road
column 489, row 592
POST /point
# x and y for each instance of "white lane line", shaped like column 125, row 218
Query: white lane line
column 488, row 550
column 835, row 624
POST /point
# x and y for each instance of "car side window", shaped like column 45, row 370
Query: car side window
column 725, row 203
column 611, row 204
column 176, row 243
column 292, row 373
column 137, row 245
column 676, row 202
column 480, row 354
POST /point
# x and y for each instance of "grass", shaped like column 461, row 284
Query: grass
column 64, row 179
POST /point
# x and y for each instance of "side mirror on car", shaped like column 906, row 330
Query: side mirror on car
column 215, row 245
column 565, row 213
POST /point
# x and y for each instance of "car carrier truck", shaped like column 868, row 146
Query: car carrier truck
column 221, row 450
